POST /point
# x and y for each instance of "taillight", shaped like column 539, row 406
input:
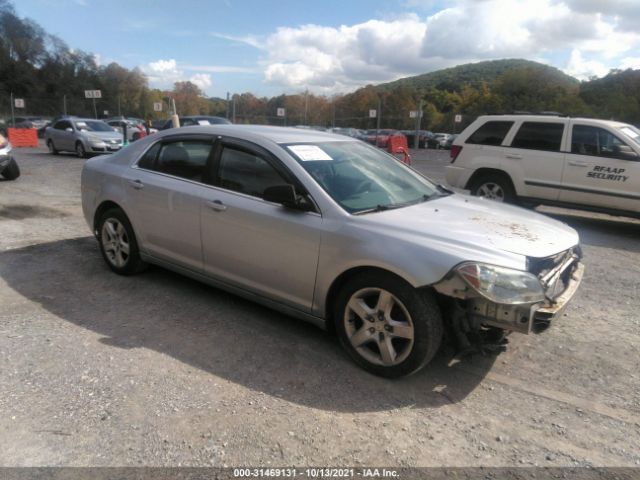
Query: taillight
column 455, row 151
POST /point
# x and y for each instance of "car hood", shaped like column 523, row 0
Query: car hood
column 475, row 223
column 104, row 135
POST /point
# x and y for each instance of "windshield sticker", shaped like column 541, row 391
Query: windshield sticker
column 203, row 122
column 309, row 153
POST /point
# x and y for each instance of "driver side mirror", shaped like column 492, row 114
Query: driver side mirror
column 624, row 152
column 68, row 129
column 285, row 195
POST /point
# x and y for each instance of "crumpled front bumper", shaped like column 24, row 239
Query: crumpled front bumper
column 527, row 318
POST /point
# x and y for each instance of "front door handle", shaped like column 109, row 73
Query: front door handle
column 216, row 205
column 577, row 163
column 137, row 184
column 514, row 156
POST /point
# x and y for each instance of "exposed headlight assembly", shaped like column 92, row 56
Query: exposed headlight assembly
column 502, row 285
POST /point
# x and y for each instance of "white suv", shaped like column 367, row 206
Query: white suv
column 534, row 159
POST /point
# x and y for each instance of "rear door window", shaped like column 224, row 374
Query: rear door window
column 184, row 159
column 491, row 133
column 539, row 136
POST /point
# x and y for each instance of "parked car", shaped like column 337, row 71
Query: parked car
column 423, row 137
column 438, row 140
column 9, row 169
column 349, row 132
column 82, row 136
column 532, row 159
column 196, row 120
column 135, row 129
column 333, row 231
column 380, row 137
column 449, row 142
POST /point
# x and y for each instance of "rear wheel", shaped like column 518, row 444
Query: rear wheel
column 386, row 326
column 11, row 171
column 118, row 243
column 51, row 147
column 494, row 187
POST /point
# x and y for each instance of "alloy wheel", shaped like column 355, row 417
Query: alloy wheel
column 491, row 191
column 379, row 326
column 115, row 242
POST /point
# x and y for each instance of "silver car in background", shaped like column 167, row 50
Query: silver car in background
column 83, row 136
column 333, row 231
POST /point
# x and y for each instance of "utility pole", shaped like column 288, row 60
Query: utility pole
column 418, row 125
column 306, row 105
column 378, row 117
column 13, row 118
column 233, row 106
column 175, row 120
column 64, row 105
column 119, row 112
column 227, row 115
column 95, row 111
column 333, row 114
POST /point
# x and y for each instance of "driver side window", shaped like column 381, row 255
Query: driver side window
column 248, row 173
column 595, row 141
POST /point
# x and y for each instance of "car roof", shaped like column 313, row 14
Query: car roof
column 265, row 132
column 542, row 118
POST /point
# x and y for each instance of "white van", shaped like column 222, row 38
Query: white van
column 540, row 159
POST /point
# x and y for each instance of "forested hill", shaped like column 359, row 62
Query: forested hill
column 475, row 74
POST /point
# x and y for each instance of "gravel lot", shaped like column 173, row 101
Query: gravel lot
column 159, row 370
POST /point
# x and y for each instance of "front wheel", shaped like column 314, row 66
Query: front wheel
column 51, row 147
column 386, row 326
column 494, row 187
column 80, row 151
column 118, row 243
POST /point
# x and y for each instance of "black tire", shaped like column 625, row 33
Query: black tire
column 424, row 315
column 496, row 181
column 133, row 263
column 11, row 171
column 52, row 147
column 80, row 150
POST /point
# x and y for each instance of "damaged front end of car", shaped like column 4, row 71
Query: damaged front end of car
column 484, row 302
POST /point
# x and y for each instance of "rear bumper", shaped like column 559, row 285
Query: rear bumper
column 457, row 176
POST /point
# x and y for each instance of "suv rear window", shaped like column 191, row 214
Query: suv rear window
column 491, row 133
column 539, row 136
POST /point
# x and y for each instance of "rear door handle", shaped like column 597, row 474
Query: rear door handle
column 515, row 156
column 577, row 163
column 137, row 184
column 216, row 205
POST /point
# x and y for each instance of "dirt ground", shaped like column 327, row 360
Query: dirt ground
column 158, row 370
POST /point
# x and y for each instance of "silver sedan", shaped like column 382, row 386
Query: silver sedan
column 333, row 231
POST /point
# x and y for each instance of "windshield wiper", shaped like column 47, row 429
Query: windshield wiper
column 377, row 208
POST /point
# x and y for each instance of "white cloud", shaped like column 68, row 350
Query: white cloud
column 201, row 80
column 584, row 69
column 329, row 59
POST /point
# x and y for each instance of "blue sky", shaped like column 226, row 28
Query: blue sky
column 331, row 46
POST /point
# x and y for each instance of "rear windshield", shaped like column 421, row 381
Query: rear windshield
column 491, row 133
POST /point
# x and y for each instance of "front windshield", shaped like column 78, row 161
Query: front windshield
column 632, row 132
column 360, row 178
column 93, row 126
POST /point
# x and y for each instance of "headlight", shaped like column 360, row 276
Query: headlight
column 502, row 285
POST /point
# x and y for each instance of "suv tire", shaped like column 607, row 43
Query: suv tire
column 494, row 186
